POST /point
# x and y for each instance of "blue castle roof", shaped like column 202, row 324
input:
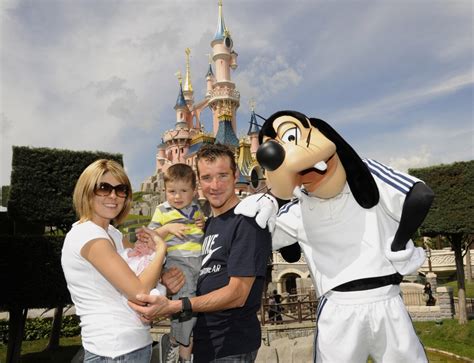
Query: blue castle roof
column 226, row 135
column 254, row 126
column 242, row 179
column 221, row 30
column 210, row 73
column 195, row 148
column 180, row 101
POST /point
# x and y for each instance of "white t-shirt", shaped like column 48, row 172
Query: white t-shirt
column 109, row 327
column 342, row 241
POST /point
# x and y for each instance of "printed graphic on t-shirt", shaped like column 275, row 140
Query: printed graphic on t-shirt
column 208, row 250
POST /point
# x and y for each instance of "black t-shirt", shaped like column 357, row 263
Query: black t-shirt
column 233, row 245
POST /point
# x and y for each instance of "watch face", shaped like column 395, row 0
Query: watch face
column 228, row 42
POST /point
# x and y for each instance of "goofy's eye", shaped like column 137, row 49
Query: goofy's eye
column 291, row 135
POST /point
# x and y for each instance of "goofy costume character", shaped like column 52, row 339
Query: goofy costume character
column 353, row 220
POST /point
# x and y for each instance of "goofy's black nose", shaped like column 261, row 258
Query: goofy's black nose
column 270, row 155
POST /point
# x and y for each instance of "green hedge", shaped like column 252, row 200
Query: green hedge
column 31, row 274
column 40, row 328
column 42, row 184
column 5, row 193
column 453, row 206
column 6, row 224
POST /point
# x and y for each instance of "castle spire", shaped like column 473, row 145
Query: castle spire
column 180, row 101
column 187, row 81
column 221, row 29
column 210, row 73
column 254, row 126
column 254, row 129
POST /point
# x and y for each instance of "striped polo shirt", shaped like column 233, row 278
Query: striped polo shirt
column 191, row 245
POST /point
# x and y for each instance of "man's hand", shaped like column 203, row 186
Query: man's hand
column 261, row 206
column 154, row 306
column 173, row 278
column 200, row 222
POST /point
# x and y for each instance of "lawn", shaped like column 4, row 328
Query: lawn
column 32, row 351
column 448, row 336
column 469, row 288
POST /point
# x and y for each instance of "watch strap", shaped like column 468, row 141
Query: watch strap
column 187, row 307
column 186, row 310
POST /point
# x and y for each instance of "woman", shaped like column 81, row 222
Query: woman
column 428, row 295
column 98, row 277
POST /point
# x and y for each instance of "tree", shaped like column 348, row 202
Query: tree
column 451, row 213
column 42, row 184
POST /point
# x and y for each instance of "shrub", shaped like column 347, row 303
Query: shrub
column 40, row 328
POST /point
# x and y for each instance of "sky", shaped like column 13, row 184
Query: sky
column 395, row 78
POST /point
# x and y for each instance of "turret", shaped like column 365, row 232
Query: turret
column 181, row 106
column 223, row 89
column 210, row 79
column 253, row 132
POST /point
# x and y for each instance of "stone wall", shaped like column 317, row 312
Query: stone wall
column 285, row 350
column 291, row 331
column 443, row 309
column 445, row 301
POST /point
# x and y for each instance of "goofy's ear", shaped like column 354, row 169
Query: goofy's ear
column 359, row 178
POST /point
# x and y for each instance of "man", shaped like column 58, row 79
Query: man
column 231, row 281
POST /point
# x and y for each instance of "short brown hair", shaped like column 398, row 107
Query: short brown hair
column 211, row 152
column 180, row 172
column 87, row 182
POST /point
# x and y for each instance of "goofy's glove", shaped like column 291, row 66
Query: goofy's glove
column 263, row 207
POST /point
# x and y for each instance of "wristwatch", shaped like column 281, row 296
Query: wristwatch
column 186, row 311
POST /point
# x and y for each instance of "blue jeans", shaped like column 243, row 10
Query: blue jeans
column 238, row 358
column 142, row 355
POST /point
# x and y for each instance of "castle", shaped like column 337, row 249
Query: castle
column 180, row 144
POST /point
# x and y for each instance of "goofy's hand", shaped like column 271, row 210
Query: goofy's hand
column 263, row 207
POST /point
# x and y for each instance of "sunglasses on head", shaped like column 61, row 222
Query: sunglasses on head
column 105, row 189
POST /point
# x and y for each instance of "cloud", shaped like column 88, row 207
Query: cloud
column 422, row 158
column 420, row 144
column 99, row 75
column 405, row 98
column 265, row 77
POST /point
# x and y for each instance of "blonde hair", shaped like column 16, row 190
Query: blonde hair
column 87, row 182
